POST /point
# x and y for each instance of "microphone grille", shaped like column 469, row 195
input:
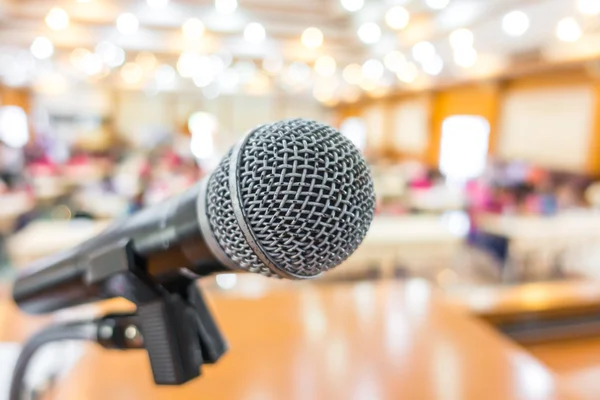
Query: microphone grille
column 223, row 224
column 295, row 198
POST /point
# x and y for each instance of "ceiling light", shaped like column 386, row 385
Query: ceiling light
column 272, row 64
column 147, row 61
column 228, row 81
column 131, row 73
column 111, row 54
column 211, row 91
column 127, row 24
column 434, row 66
column 465, row 57
column 57, row 19
column 245, row 70
column 187, row 64
column 352, row 5
column 394, row 60
column 397, row 17
column 217, row 63
column 588, row 7
column 322, row 93
column 368, row 85
column 369, row 33
column 372, row 69
column 423, row 52
column 77, row 56
column 515, row 23
column 312, row 37
column 203, row 80
column 461, row 38
column 42, row 48
column 408, row 73
column 226, row 6
column 205, row 70
column 352, row 74
column 254, row 33
column 164, row 74
column 157, row 3
column 91, row 64
column 298, row 72
column 325, row 66
column 568, row 30
column 225, row 56
column 437, row 4
column 259, row 85
column 192, row 29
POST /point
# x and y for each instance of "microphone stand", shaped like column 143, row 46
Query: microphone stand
column 173, row 324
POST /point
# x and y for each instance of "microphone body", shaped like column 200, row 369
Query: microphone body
column 293, row 199
column 166, row 237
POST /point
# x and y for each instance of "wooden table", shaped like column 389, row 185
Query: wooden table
column 383, row 340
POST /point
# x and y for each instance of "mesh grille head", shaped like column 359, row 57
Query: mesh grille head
column 295, row 199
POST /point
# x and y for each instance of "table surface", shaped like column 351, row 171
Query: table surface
column 383, row 340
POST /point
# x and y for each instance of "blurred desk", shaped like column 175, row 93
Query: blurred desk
column 43, row 238
column 49, row 188
column 412, row 241
column 102, row 205
column 384, row 340
column 537, row 243
column 571, row 225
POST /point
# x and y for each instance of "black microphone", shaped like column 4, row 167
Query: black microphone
column 293, row 199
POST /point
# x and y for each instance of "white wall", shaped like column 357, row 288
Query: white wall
column 73, row 114
column 137, row 116
column 548, row 127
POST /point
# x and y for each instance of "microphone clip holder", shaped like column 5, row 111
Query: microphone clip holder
column 172, row 323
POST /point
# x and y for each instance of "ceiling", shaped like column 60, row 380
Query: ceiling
column 91, row 22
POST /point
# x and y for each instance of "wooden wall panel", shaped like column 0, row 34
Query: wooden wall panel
column 593, row 156
column 20, row 97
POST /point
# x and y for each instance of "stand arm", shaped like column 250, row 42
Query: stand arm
column 81, row 330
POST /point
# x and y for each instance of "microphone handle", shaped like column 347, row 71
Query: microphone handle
column 166, row 238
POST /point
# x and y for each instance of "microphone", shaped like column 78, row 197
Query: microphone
column 292, row 200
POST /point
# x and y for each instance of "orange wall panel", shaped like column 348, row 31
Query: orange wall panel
column 483, row 100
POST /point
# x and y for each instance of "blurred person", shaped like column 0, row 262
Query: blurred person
column 567, row 197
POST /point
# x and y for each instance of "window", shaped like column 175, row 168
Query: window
column 203, row 127
column 356, row 131
column 13, row 126
column 463, row 148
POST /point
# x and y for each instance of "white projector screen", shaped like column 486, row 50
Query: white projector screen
column 548, row 127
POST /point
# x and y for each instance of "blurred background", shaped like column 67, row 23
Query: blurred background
column 480, row 121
